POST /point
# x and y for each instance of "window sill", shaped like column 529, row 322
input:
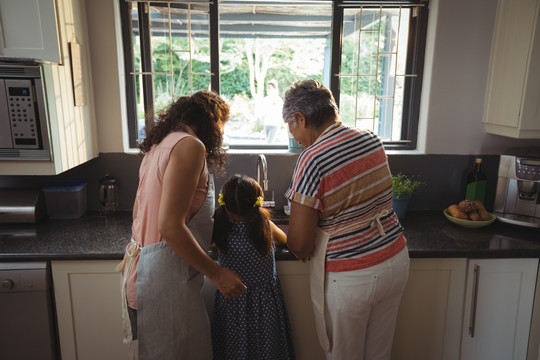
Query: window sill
column 286, row 152
column 404, row 152
column 262, row 151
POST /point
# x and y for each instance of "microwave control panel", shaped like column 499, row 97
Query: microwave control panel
column 22, row 114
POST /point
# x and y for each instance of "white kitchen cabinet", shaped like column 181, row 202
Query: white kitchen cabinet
column 429, row 319
column 498, row 308
column 28, row 29
column 294, row 278
column 88, row 307
column 513, row 86
column 69, row 98
column 533, row 352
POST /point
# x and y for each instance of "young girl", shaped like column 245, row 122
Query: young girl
column 254, row 325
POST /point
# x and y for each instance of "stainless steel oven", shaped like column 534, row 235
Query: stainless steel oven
column 24, row 132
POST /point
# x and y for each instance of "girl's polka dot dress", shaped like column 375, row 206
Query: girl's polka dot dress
column 254, row 326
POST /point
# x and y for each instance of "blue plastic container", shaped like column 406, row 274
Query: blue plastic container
column 65, row 199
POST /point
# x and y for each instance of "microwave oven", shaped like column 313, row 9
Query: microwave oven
column 23, row 116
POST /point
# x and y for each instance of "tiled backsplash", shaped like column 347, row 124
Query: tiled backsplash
column 443, row 176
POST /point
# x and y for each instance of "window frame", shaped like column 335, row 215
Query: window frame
column 413, row 85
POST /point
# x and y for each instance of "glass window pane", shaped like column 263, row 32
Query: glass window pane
column 365, row 98
column 137, row 80
column 159, row 35
column 370, row 19
column 276, row 40
column 201, row 82
column 180, row 27
column 386, row 75
column 403, row 37
column 397, row 116
column 135, row 39
column 385, row 117
column 201, row 55
column 182, row 75
column 374, row 50
column 347, row 108
column 162, row 92
column 262, row 43
column 389, row 29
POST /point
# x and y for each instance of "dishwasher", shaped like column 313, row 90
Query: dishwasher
column 27, row 321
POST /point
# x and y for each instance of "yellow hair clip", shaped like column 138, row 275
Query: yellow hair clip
column 220, row 200
column 258, row 202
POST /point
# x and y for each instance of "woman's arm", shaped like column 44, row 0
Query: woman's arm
column 135, row 207
column 278, row 235
column 301, row 234
column 179, row 184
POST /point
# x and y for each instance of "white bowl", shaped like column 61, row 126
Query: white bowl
column 469, row 223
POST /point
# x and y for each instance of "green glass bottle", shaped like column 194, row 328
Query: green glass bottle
column 476, row 183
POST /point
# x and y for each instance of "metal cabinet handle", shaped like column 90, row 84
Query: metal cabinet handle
column 474, row 299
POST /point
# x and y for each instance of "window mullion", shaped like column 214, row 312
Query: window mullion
column 396, row 76
column 337, row 33
column 415, row 65
column 146, row 62
column 214, row 45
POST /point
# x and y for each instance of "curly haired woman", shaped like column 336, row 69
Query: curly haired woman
column 172, row 229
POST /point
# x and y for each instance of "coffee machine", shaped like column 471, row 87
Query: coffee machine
column 517, row 200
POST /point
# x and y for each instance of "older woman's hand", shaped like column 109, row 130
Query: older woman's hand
column 301, row 234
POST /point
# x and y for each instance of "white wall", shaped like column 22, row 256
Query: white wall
column 459, row 40
column 459, row 37
column 104, row 57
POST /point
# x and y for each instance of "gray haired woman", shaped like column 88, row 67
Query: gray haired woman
column 342, row 219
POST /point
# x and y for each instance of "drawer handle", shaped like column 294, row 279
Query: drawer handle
column 474, row 300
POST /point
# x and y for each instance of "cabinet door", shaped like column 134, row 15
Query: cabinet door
column 534, row 337
column 294, row 279
column 513, row 86
column 29, row 30
column 88, row 306
column 498, row 308
column 429, row 319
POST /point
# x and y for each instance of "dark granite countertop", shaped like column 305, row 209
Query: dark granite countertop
column 99, row 237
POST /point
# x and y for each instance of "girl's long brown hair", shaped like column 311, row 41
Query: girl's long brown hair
column 240, row 193
column 203, row 112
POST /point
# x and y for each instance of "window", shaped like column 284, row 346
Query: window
column 381, row 61
column 168, row 57
column 369, row 54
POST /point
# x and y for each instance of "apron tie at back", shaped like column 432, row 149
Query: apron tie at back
column 376, row 221
column 132, row 250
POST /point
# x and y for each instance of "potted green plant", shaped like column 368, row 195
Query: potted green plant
column 402, row 189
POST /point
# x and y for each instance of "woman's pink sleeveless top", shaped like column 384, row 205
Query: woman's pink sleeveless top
column 145, row 225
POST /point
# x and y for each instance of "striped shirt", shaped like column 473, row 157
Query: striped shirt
column 345, row 176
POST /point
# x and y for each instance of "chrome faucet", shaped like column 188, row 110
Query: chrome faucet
column 262, row 165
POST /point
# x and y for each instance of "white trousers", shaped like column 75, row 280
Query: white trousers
column 361, row 309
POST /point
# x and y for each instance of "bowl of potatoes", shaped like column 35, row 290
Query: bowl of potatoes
column 469, row 214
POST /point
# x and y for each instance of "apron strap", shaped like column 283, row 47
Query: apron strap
column 132, row 250
column 373, row 221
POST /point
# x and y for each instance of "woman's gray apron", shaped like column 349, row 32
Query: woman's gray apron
column 317, row 276
column 172, row 322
